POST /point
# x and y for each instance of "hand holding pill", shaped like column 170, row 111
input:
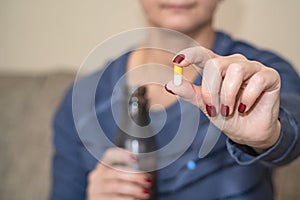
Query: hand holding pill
column 243, row 93
column 178, row 69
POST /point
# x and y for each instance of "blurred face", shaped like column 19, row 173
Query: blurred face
column 185, row 16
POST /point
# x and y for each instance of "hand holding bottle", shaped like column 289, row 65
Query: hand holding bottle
column 111, row 179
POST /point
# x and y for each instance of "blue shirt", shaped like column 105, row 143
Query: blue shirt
column 229, row 171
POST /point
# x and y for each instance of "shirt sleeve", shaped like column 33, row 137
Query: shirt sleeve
column 287, row 148
column 68, row 174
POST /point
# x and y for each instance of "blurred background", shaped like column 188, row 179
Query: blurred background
column 43, row 43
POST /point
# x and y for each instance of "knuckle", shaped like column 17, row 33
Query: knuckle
column 247, row 97
column 258, row 80
column 229, row 97
column 114, row 186
column 215, row 63
column 110, row 151
column 236, row 69
column 256, row 64
column 129, row 189
column 107, row 153
column 111, row 172
column 206, row 96
column 274, row 72
column 239, row 56
column 125, row 176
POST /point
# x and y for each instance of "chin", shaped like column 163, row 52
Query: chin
column 180, row 28
column 183, row 25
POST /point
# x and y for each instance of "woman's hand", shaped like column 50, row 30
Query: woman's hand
column 241, row 97
column 112, row 180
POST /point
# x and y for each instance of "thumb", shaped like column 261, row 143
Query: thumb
column 118, row 156
column 187, row 91
column 194, row 55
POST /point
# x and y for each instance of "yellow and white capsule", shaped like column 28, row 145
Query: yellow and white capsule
column 177, row 75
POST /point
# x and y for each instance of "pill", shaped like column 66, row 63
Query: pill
column 177, row 75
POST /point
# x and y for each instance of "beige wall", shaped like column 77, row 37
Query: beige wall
column 42, row 36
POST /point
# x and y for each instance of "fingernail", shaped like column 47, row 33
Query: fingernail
column 134, row 158
column 170, row 91
column 149, row 180
column 147, row 191
column 178, row 59
column 224, row 110
column 211, row 111
column 242, row 107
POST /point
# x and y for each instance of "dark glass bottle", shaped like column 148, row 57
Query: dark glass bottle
column 135, row 133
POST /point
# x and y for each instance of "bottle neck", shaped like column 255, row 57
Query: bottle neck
column 138, row 105
column 138, row 111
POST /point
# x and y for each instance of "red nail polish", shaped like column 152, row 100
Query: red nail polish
column 211, row 111
column 147, row 191
column 242, row 107
column 170, row 91
column 224, row 110
column 178, row 59
column 149, row 180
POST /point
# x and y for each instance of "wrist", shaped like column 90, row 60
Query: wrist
column 270, row 141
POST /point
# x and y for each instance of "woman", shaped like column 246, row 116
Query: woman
column 250, row 94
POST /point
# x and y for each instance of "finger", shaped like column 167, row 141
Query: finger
column 235, row 76
column 124, row 188
column 192, row 93
column 211, row 77
column 106, row 180
column 144, row 179
column 195, row 55
column 118, row 155
column 211, row 83
column 187, row 91
column 266, row 80
column 214, row 67
column 109, row 197
column 214, row 71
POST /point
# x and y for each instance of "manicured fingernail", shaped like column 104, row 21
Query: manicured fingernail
column 170, row 91
column 211, row 111
column 149, row 180
column 242, row 107
column 147, row 191
column 224, row 110
column 178, row 59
